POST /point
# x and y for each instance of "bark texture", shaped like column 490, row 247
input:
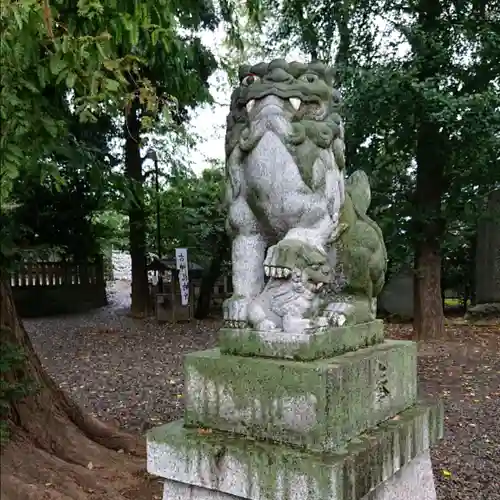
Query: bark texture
column 431, row 156
column 211, row 276
column 137, row 215
column 56, row 451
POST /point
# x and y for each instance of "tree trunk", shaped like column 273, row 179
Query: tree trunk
column 428, row 319
column 431, row 156
column 137, row 215
column 342, row 17
column 54, row 450
column 428, row 229
column 465, row 299
column 209, row 279
column 471, row 280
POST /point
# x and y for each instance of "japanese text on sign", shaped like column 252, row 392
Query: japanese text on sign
column 182, row 265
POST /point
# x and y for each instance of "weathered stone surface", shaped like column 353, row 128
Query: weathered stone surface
column 396, row 297
column 253, row 470
column 483, row 311
column 317, row 405
column 488, row 253
column 293, row 215
column 173, row 490
column 301, row 346
column 414, row 481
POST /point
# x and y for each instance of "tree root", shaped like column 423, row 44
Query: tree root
column 33, row 473
column 56, row 452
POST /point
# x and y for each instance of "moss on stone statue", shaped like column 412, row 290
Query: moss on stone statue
column 361, row 247
column 317, row 405
column 321, row 344
column 270, row 469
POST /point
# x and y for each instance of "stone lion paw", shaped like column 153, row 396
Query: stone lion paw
column 322, row 321
column 275, row 264
column 235, row 310
column 339, row 313
column 266, row 326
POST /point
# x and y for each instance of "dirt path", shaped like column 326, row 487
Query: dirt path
column 465, row 373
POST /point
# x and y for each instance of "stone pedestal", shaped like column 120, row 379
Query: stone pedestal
column 343, row 427
column 413, row 481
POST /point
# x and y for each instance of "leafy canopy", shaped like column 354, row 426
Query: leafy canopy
column 97, row 54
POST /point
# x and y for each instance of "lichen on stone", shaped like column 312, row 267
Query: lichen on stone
column 286, row 189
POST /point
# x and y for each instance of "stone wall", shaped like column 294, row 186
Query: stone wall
column 396, row 298
column 488, row 253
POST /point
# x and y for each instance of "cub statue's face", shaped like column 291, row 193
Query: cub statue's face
column 300, row 262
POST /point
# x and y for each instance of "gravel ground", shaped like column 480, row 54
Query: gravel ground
column 117, row 367
column 130, row 371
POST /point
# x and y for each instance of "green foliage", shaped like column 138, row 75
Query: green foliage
column 111, row 229
column 39, row 51
column 98, row 51
column 59, row 212
column 13, row 386
column 432, row 64
column 192, row 214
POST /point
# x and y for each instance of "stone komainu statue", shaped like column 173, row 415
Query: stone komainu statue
column 292, row 215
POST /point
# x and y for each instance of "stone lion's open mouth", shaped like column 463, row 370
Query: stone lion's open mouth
column 277, row 272
column 296, row 103
column 300, row 107
column 283, row 273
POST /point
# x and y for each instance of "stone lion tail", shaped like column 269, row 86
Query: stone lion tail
column 358, row 187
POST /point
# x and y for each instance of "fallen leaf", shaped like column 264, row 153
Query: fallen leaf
column 204, row 431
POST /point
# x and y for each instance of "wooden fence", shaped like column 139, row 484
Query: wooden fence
column 45, row 288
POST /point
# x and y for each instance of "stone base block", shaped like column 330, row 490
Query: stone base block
column 483, row 311
column 306, row 346
column 318, row 405
column 390, row 462
column 414, row 481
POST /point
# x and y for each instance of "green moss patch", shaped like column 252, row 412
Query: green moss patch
column 323, row 344
column 253, row 470
column 318, row 405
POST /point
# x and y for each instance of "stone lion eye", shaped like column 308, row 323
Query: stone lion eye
column 309, row 77
column 249, row 79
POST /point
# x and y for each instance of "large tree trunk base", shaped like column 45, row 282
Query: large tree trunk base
column 73, row 467
column 56, row 452
column 87, row 471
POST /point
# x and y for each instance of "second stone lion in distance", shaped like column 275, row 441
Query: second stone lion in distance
column 292, row 215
